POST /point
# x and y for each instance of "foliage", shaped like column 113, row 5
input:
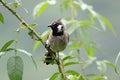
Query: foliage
column 1, row 18
column 15, row 68
column 77, row 27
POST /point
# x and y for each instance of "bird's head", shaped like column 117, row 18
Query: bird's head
column 57, row 28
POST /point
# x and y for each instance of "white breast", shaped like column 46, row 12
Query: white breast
column 57, row 43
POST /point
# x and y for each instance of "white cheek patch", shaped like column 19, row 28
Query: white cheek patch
column 59, row 27
column 47, row 42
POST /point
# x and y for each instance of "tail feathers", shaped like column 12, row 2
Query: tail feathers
column 50, row 57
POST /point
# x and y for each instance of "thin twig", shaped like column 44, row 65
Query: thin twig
column 60, row 66
column 22, row 21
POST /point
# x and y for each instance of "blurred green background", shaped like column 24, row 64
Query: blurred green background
column 108, row 44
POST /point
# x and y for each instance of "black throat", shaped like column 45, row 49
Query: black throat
column 55, row 33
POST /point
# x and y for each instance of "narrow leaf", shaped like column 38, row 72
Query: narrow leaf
column 37, row 43
column 68, row 58
column 70, row 63
column 54, row 76
column 85, row 22
column 1, row 18
column 38, row 10
column 23, row 26
column 97, row 78
column 73, row 72
column 15, row 68
column 101, row 22
column 91, row 51
column 33, row 25
column 107, row 23
column 25, row 52
column 15, row 4
column 109, row 64
column 6, row 45
column 34, row 62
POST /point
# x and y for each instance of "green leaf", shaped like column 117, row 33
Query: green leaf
column 6, row 45
column 39, row 8
column 31, row 25
column 70, row 63
column 54, row 76
column 109, row 64
column 25, row 52
column 107, row 23
column 99, row 78
column 91, row 51
column 15, row 68
column 101, row 22
column 1, row 18
column 73, row 72
column 37, row 43
column 67, row 58
column 85, row 22
column 74, row 77
column 23, row 26
column 15, row 4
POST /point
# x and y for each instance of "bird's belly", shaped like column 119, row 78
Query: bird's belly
column 58, row 45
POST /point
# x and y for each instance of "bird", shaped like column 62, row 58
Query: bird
column 57, row 41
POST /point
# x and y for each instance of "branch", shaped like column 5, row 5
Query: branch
column 22, row 21
column 60, row 67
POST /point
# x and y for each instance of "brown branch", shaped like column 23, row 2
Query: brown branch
column 22, row 21
column 60, row 67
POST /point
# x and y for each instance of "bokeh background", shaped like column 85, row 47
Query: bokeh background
column 107, row 42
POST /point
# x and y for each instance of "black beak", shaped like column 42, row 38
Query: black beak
column 49, row 25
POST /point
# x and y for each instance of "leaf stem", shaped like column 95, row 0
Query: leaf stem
column 16, row 41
